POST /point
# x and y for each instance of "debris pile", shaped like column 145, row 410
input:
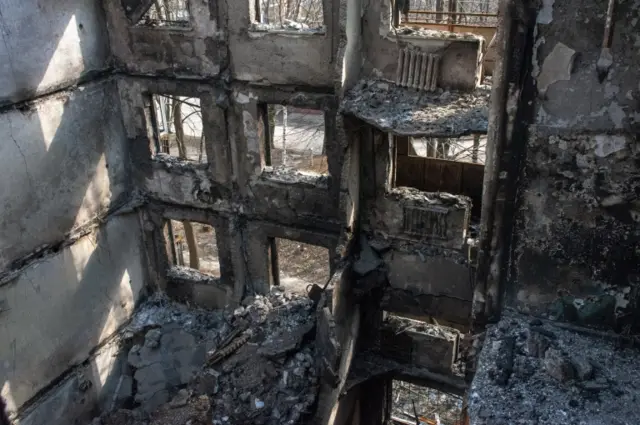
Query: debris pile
column 534, row 372
column 413, row 401
column 252, row 365
column 416, row 113
column 289, row 25
column 416, row 31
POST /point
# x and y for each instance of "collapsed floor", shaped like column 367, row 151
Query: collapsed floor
column 253, row 365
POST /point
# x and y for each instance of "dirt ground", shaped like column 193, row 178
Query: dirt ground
column 300, row 264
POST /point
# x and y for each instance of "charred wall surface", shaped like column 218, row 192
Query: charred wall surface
column 71, row 268
column 575, row 251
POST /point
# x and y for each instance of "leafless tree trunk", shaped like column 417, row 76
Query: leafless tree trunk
column 167, row 10
column 271, row 114
column 284, row 135
column 194, row 260
column 159, row 9
column 177, row 125
column 431, row 148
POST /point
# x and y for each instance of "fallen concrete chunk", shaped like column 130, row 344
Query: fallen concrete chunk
column 368, row 260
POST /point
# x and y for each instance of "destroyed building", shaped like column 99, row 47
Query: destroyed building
column 334, row 212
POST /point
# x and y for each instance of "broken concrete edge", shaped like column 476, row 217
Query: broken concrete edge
column 372, row 364
column 119, row 207
column 409, row 32
column 292, row 176
column 415, row 197
column 418, row 344
column 407, row 112
column 193, row 287
column 400, row 301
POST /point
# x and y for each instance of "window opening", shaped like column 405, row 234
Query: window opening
column 294, row 138
column 178, row 128
column 296, row 15
column 193, row 245
column 166, row 13
column 417, row 404
column 451, row 15
column 296, row 265
column 470, row 148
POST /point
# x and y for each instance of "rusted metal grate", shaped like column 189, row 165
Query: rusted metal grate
column 426, row 221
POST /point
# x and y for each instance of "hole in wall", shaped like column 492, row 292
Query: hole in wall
column 178, row 126
column 166, row 14
column 296, row 265
column 290, row 15
column 193, row 245
column 431, row 406
column 294, row 138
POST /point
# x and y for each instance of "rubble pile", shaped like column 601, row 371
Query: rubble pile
column 251, row 365
column 428, row 404
column 409, row 112
column 416, row 31
column 533, row 372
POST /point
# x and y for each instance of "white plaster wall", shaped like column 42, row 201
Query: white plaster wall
column 47, row 44
column 62, row 307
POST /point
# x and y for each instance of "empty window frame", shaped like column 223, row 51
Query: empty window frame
column 431, row 406
column 294, row 138
column 451, row 15
column 293, row 15
column 470, row 148
column 296, row 265
column 177, row 127
column 166, row 13
column 193, row 245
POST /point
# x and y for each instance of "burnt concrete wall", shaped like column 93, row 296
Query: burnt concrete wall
column 575, row 254
column 220, row 37
column 65, row 162
column 283, row 57
column 426, row 270
column 48, row 45
column 196, row 49
column 461, row 59
column 71, row 266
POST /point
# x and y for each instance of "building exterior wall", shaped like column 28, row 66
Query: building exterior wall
column 71, row 258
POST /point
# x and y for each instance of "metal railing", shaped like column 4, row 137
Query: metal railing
column 470, row 13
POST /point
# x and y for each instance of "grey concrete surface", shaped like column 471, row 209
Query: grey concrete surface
column 578, row 213
column 63, row 306
column 65, row 162
column 49, row 45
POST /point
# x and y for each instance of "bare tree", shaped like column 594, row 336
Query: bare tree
column 194, row 260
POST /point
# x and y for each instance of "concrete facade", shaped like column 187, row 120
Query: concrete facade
column 48, row 47
column 71, row 268
column 88, row 194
